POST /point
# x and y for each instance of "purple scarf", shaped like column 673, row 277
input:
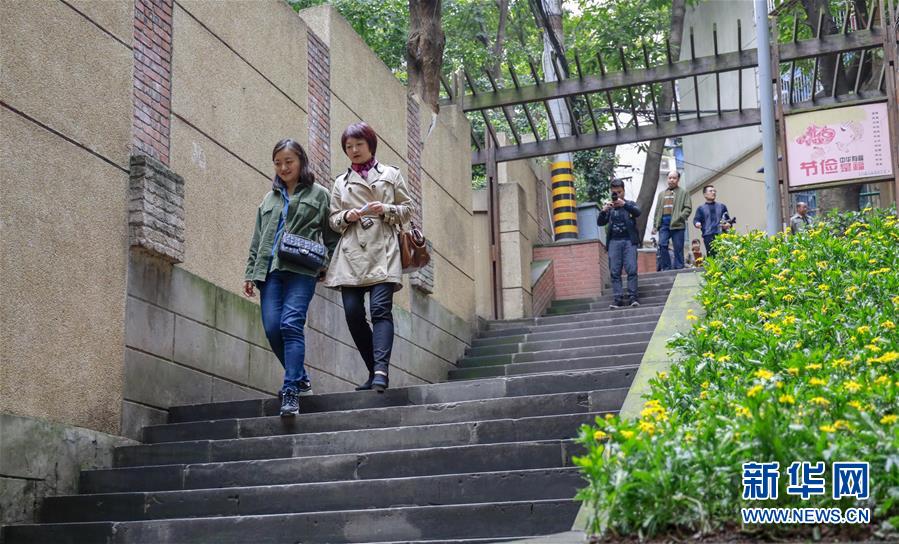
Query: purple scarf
column 362, row 169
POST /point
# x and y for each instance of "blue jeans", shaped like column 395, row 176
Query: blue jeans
column 708, row 239
column 677, row 239
column 623, row 254
column 285, row 297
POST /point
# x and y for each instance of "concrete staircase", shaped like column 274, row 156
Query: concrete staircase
column 484, row 457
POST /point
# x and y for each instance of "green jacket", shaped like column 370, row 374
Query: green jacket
column 308, row 212
column 681, row 212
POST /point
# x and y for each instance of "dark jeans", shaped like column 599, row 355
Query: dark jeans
column 623, row 254
column 285, row 297
column 677, row 240
column 709, row 250
column 374, row 345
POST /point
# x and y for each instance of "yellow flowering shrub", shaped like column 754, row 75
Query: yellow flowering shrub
column 775, row 370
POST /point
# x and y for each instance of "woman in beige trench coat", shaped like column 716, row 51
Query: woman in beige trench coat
column 369, row 203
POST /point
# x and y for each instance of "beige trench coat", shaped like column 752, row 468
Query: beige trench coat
column 368, row 256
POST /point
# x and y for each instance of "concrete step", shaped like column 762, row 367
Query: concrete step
column 596, row 338
column 642, row 291
column 494, row 519
column 356, row 441
column 515, row 485
column 406, row 463
column 630, row 345
column 607, row 363
column 437, row 393
column 604, row 304
column 398, row 416
column 607, row 328
column 652, row 315
column 574, row 318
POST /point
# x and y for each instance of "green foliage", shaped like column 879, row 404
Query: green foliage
column 594, row 171
column 795, row 359
column 382, row 24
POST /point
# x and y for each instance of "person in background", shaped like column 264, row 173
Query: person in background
column 295, row 205
column 801, row 219
column 672, row 213
column 711, row 218
column 622, row 237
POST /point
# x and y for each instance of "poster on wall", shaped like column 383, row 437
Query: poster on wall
column 838, row 145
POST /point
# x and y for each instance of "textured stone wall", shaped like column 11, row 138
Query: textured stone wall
column 42, row 458
column 65, row 112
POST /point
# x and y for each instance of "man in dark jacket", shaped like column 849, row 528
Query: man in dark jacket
column 711, row 218
column 619, row 218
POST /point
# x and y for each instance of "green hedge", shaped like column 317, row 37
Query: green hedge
column 796, row 359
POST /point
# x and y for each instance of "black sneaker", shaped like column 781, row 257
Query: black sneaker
column 635, row 302
column 305, row 388
column 618, row 303
column 290, row 405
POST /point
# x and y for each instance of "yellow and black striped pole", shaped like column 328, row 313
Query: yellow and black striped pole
column 564, row 205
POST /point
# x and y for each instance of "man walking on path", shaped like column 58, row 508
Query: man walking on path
column 672, row 213
column 619, row 218
column 711, row 218
column 800, row 220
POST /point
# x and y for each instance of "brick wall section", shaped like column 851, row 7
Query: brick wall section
column 319, row 109
column 413, row 131
column 152, row 78
column 544, row 291
column 423, row 280
column 646, row 262
column 579, row 267
column 544, row 221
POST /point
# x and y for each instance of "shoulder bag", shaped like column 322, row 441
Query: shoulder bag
column 413, row 249
column 303, row 252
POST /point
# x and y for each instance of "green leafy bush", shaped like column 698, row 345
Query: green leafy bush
column 795, row 359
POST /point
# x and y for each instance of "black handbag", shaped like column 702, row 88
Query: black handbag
column 302, row 252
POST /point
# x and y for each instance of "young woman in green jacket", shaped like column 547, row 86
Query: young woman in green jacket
column 295, row 205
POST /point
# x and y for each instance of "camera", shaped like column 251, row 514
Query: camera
column 731, row 221
column 614, row 197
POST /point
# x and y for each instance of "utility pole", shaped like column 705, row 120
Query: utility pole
column 774, row 222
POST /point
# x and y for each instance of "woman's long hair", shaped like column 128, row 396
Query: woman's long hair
column 307, row 178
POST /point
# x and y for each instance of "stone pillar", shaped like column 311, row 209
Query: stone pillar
column 156, row 209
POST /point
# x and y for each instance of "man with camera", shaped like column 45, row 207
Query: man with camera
column 619, row 218
column 712, row 219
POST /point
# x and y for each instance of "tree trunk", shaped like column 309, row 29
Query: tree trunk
column 827, row 67
column 496, row 67
column 424, row 50
column 653, row 163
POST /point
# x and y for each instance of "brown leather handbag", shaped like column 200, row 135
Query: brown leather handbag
column 413, row 249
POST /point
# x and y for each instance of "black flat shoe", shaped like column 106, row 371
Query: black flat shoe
column 365, row 386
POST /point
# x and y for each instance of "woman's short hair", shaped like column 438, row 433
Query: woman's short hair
column 307, row 178
column 360, row 131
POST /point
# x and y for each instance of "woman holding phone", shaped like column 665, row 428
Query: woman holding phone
column 369, row 202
